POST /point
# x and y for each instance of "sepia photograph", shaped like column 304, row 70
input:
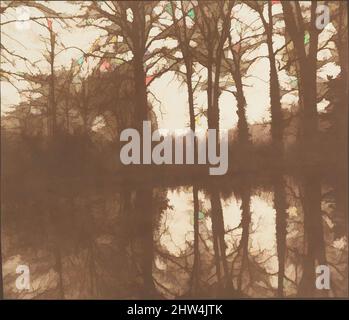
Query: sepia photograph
column 174, row 150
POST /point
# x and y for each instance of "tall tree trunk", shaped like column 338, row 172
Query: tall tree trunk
column 215, row 60
column 210, row 113
column 341, row 42
column 306, row 68
column 140, row 92
column 276, row 112
column 52, row 98
column 189, row 68
column 341, row 121
column 235, row 70
column 139, row 43
column 243, row 132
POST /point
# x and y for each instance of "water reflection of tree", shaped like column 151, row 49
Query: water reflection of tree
column 224, row 284
column 106, row 246
column 243, row 248
column 250, row 273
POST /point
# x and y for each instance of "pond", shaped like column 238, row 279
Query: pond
column 244, row 237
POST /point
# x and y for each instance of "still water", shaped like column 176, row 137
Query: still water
column 226, row 240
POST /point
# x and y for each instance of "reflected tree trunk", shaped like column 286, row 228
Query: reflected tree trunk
column 1, row 282
column 196, row 265
column 218, row 242
column 281, row 232
column 55, row 235
column 245, row 225
column 144, row 233
column 92, row 269
column 313, row 233
column 59, row 270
